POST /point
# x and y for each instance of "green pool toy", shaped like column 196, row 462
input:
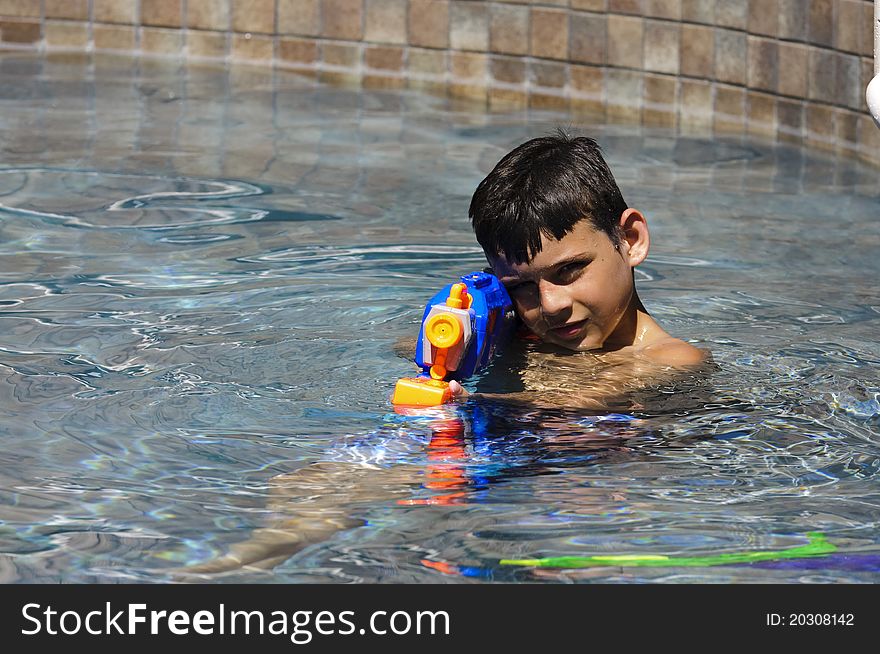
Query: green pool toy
column 817, row 546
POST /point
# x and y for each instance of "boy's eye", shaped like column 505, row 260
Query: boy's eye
column 520, row 290
column 571, row 271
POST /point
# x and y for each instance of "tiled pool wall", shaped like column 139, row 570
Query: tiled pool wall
column 795, row 70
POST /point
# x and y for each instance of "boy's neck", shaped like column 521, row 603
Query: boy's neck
column 636, row 328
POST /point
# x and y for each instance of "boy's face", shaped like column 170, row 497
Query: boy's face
column 576, row 290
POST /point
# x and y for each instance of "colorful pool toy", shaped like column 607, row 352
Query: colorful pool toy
column 817, row 546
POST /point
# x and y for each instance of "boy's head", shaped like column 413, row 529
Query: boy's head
column 545, row 187
column 559, row 235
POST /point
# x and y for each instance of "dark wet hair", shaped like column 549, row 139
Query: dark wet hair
column 545, row 187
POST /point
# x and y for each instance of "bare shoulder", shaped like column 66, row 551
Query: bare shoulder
column 675, row 352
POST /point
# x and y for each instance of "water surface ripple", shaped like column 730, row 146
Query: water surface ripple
column 206, row 272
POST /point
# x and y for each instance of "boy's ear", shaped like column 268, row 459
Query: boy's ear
column 636, row 239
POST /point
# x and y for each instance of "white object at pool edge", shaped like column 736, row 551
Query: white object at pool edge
column 872, row 95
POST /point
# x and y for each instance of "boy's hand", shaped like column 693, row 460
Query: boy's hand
column 458, row 392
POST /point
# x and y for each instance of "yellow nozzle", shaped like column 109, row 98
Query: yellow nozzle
column 443, row 330
column 458, row 297
column 418, row 391
column 438, row 370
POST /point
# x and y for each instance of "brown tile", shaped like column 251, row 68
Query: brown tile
column 63, row 34
column 662, row 41
column 587, row 81
column 763, row 17
column 385, row 82
column 820, row 22
column 730, row 103
column 663, row 9
column 253, row 47
column 342, row 19
column 763, row 63
column 587, row 91
column 588, row 110
column 548, row 74
column 698, row 11
column 695, row 108
column 697, row 51
column 549, row 34
column 469, row 66
column 846, row 132
column 71, row 9
column 115, row 11
column 507, row 99
column 509, row 29
column 819, row 124
column 625, row 41
column 427, row 62
column 793, row 58
column 761, row 110
column 540, row 101
column 161, row 13
column 20, row 8
column 469, row 26
column 730, row 109
column 866, row 66
column 301, row 51
column 429, row 23
column 434, row 86
column 821, row 75
column 156, row 40
column 351, row 79
column 299, row 17
column 114, row 37
column 385, row 21
column 731, row 55
column 256, row 16
column 208, row 15
column 476, row 94
column 789, row 120
column 383, row 58
column 509, row 70
column 793, row 19
column 732, row 13
column 20, row 31
column 588, row 38
column 201, row 43
column 847, row 88
column 341, row 54
column 621, row 86
column 867, row 40
column 659, row 117
column 848, row 35
column 589, row 5
column 661, row 91
column 625, row 6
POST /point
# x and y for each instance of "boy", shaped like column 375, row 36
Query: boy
column 559, row 236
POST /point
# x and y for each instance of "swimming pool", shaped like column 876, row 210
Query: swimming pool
column 205, row 272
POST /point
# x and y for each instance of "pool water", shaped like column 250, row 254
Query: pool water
column 205, row 272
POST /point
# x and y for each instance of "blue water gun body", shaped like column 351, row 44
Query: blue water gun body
column 464, row 325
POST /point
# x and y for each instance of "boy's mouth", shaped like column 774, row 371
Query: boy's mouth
column 568, row 330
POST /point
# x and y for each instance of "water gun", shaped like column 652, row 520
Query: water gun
column 463, row 327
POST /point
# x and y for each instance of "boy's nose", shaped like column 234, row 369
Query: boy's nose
column 554, row 299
